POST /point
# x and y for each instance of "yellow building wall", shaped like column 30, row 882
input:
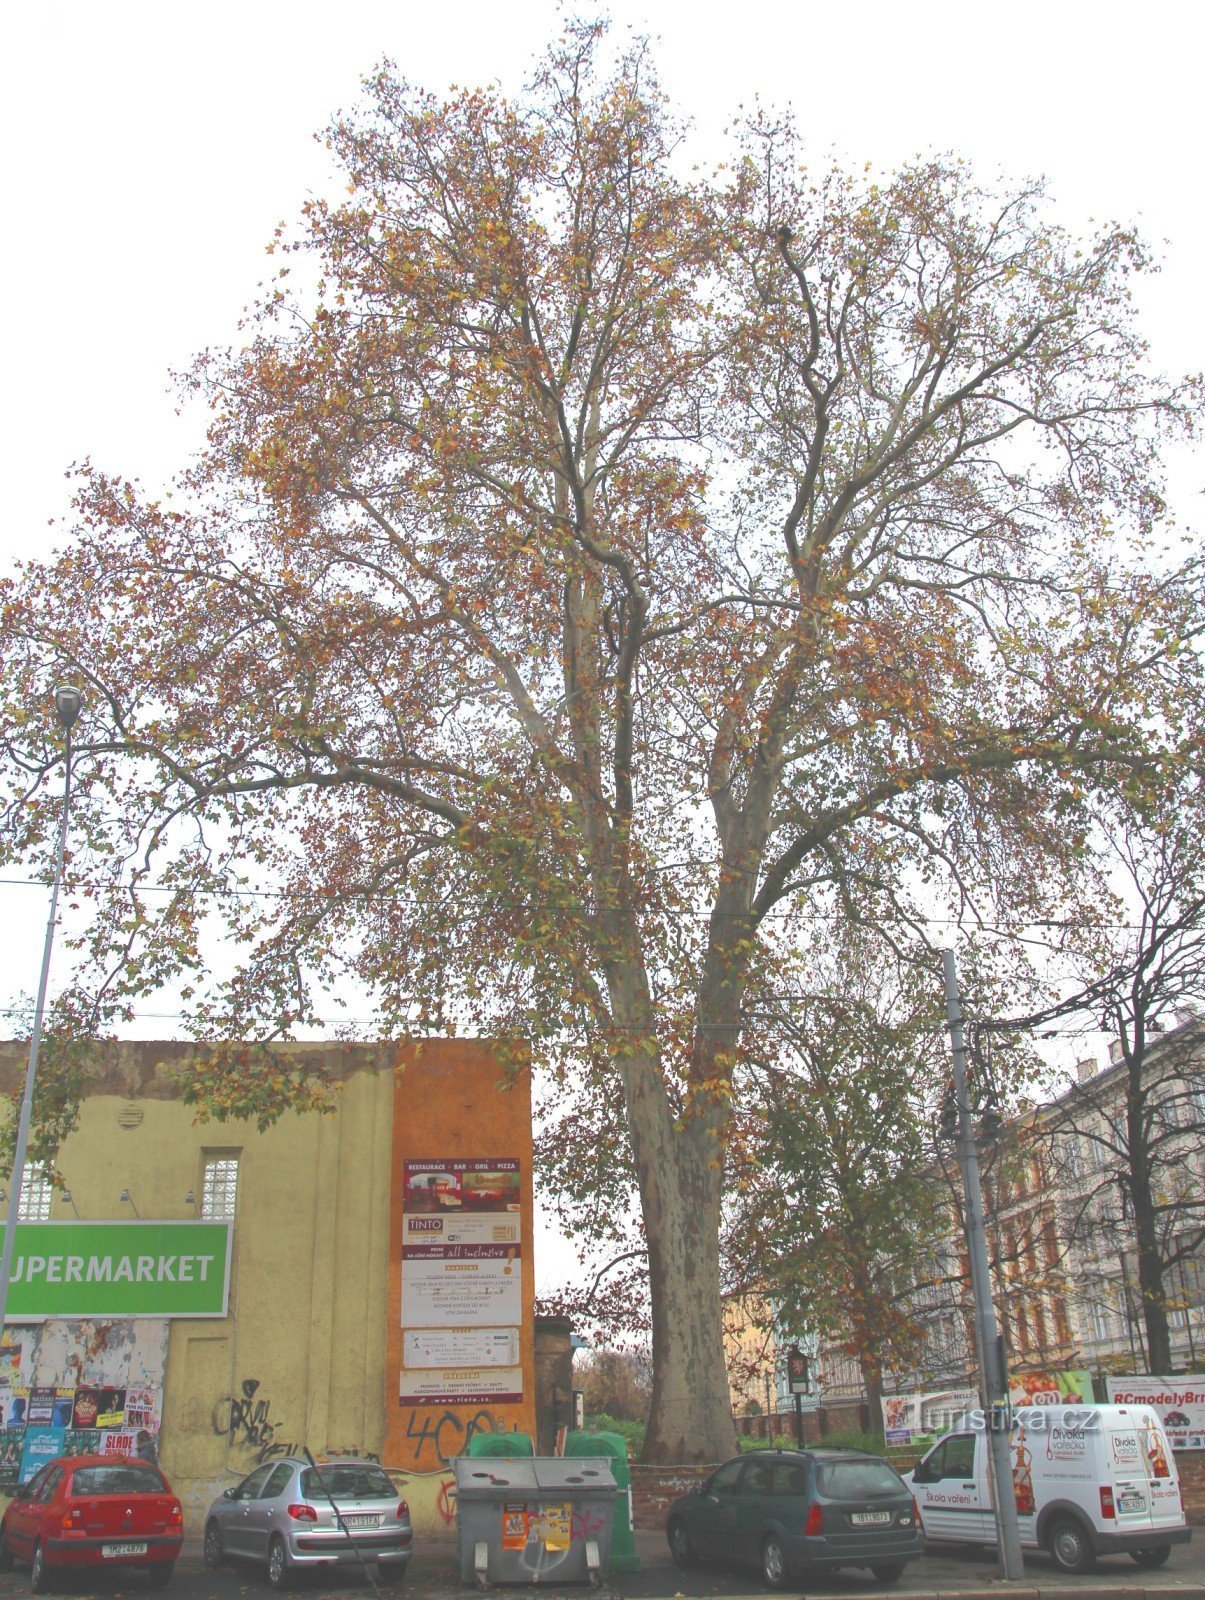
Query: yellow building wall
column 309, row 1352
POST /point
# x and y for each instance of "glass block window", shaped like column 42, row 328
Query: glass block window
column 36, row 1193
column 219, row 1188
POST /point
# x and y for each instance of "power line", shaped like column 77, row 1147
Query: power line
column 532, row 905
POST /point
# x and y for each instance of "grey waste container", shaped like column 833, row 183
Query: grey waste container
column 534, row 1520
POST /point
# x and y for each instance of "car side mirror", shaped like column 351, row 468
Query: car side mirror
column 231, row 1493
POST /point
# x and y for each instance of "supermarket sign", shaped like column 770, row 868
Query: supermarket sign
column 119, row 1269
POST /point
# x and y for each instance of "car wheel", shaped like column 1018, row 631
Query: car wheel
column 39, row 1577
column 278, row 1563
column 1069, row 1547
column 6, row 1555
column 888, row 1571
column 391, row 1571
column 160, row 1575
column 1144, row 1558
column 213, row 1546
column 773, row 1561
column 681, row 1545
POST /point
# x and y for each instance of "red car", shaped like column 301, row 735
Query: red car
column 93, row 1511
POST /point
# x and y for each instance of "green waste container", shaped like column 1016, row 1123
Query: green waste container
column 511, row 1445
column 614, row 1448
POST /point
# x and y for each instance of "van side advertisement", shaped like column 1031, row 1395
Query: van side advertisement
column 1180, row 1403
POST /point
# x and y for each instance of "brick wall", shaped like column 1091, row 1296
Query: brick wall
column 1190, row 1464
column 818, row 1422
column 655, row 1488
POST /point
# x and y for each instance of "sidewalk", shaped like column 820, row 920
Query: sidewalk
column 967, row 1575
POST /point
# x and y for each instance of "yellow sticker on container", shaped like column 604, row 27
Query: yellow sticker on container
column 558, row 1522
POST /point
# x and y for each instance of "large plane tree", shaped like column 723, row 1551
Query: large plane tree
column 598, row 567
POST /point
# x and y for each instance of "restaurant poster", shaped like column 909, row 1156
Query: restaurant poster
column 1179, row 1402
column 461, row 1282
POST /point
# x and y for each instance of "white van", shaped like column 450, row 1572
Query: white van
column 1089, row 1481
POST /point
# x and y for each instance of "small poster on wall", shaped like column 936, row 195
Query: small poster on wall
column 41, row 1445
column 41, row 1405
column 12, row 1447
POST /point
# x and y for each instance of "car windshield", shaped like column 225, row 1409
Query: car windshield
column 347, row 1483
column 123, row 1477
column 856, row 1480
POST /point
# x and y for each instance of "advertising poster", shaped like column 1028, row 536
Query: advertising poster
column 12, row 1448
column 41, row 1406
column 41, row 1445
column 1179, row 1403
column 919, row 1419
column 92, row 1387
column 1070, row 1388
column 462, row 1282
column 461, row 1347
column 461, row 1286
column 14, row 1407
column 461, row 1386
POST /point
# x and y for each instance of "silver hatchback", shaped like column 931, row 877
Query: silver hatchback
column 289, row 1515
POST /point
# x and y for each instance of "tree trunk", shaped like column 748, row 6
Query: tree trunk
column 1140, row 1183
column 872, row 1380
column 679, row 1170
column 1151, row 1289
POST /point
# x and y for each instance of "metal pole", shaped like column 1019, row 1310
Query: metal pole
column 67, row 707
column 993, row 1379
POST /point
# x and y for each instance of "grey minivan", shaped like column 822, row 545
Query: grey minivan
column 290, row 1515
column 788, row 1511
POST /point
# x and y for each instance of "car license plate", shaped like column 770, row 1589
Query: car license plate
column 869, row 1519
column 1131, row 1502
column 362, row 1522
column 123, row 1549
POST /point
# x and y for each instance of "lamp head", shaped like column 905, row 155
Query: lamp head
column 125, row 1196
column 67, row 703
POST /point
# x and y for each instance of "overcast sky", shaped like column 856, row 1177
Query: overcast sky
column 150, row 150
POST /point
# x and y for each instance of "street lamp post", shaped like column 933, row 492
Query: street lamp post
column 67, row 703
column 993, row 1380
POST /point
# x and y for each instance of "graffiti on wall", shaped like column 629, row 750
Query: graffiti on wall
column 245, row 1420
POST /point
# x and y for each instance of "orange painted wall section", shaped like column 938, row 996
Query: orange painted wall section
column 453, row 1100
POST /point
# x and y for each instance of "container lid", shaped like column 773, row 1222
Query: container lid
column 488, row 1477
column 510, row 1477
column 574, row 1475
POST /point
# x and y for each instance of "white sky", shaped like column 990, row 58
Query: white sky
column 151, row 149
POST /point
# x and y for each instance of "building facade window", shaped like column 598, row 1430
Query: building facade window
column 219, row 1187
column 36, row 1194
